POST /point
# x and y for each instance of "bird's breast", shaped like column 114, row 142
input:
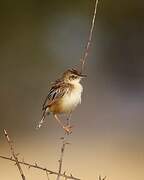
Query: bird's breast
column 72, row 99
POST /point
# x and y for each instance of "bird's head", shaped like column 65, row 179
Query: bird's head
column 72, row 76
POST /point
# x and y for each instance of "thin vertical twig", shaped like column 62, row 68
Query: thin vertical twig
column 64, row 143
column 86, row 51
column 47, row 175
column 14, row 154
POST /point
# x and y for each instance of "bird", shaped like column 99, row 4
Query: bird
column 63, row 97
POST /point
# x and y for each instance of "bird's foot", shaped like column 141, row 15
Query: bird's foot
column 68, row 129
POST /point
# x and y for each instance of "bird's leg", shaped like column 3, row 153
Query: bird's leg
column 66, row 128
column 58, row 120
column 68, row 120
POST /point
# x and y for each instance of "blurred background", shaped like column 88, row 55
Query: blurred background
column 41, row 39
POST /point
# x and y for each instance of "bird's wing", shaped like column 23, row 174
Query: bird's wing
column 58, row 90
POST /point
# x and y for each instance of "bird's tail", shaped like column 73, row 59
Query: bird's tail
column 45, row 112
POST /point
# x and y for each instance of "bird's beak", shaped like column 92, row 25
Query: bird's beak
column 83, row 75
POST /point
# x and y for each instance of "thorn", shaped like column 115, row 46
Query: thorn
column 17, row 154
column 23, row 160
column 36, row 164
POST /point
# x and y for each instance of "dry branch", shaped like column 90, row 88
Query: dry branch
column 86, row 51
column 64, row 143
column 36, row 166
column 14, row 154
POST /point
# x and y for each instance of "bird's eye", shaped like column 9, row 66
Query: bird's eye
column 73, row 77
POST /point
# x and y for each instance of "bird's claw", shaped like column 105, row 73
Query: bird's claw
column 68, row 129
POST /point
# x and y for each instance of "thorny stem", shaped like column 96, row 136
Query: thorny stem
column 64, row 143
column 14, row 154
column 86, row 51
column 40, row 168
